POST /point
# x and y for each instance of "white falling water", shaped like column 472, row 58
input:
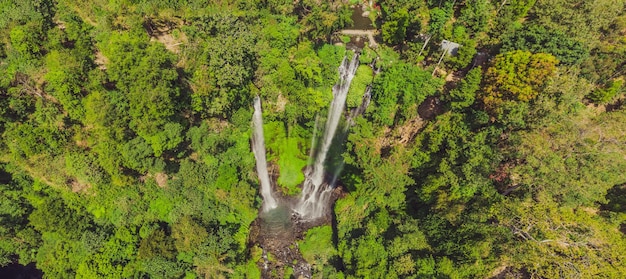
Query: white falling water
column 365, row 102
column 258, row 147
column 315, row 194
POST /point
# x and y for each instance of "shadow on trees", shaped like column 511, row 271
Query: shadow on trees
column 616, row 197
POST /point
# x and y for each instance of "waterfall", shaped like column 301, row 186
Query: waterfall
column 258, row 147
column 315, row 193
column 365, row 102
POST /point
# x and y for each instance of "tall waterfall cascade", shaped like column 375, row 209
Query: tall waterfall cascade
column 258, row 147
column 358, row 111
column 316, row 193
column 317, row 188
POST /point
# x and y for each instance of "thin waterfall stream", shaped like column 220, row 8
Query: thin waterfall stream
column 258, row 147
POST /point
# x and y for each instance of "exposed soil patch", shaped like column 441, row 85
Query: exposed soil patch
column 79, row 186
column 275, row 233
column 509, row 272
column 430, row 108
column 502, row 179
column 172, row 44
column 408, row 131
column 402, row 134
column 281, row 101
column 161, row 179
column 166, row 33
column 32, row 86
column 480, row 59
column 101, row 60
column 405, row 133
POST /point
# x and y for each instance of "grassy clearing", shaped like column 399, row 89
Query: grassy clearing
column 291, row 163
column 288, row 153
column 362, row 79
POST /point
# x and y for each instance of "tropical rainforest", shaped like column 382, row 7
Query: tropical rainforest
column 125, row 129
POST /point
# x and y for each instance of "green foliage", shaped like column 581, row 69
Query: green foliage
column 399, row 91
column 475, row 15
column 144, row 72
column 604, row 63
column 362, row 79
column 138, row 155
column 227, row 61
column 438, row 19
column 130, row 153
column 367, row 56
column 394, row 29
column 467, row 50
column 159, row 267
column 63, row 79
column 538, row 39
column 602, row 95
column 517, row 76
column 461, row 163
column 16, row 237
column 519, row 8
column 26, row 40
column 231, row 60
column 188, row 235
column 41, row 11
column 567, row 16
column 464, row 95
column 317, row 247
column 281, row 6
column 320, row 19
column 569, row 242
column 84, row 167
column 55, row 216
column 288, row 152
column 157, row 244
column 509, row 17
column 281, row 32
column 40, row 135
column 306, row 64
column 331, row 57
column 578, row 156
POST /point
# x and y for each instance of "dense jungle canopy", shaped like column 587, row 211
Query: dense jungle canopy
column 125, row 130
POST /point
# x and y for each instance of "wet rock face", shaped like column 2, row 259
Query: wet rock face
column 277, row 233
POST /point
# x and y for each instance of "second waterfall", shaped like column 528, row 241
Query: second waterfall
column 258, row 147
column 316, row 192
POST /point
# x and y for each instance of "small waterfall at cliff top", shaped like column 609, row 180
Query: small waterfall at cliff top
column 315, row 193
column 258, row 147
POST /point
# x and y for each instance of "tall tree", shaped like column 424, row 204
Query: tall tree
column 394, row 29
column 517, row 76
